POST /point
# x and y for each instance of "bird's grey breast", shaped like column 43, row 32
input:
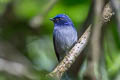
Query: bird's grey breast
column 65, row 37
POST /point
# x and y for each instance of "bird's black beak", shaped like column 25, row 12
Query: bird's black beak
column 52, row 19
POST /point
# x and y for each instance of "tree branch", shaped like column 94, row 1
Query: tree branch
column 94, row 56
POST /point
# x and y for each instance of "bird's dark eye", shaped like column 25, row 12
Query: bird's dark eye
column 61, row 18
column 57, row 19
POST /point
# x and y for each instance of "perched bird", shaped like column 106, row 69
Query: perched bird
column 64, row 35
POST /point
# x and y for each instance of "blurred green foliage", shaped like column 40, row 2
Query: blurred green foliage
column 39, row 45
column 26, row 9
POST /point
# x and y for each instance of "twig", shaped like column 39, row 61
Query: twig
column 70, row 58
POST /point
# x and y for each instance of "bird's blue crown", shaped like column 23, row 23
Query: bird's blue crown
column 62, row 19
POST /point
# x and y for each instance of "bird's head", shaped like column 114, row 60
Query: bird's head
column 61, row 19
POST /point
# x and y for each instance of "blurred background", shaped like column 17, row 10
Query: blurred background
column 26, row 46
